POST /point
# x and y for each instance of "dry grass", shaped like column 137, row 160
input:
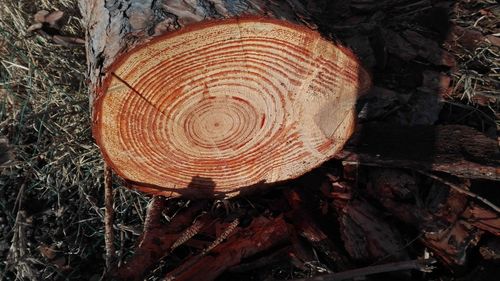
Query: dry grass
column 477, row 77
column 470, row 82
column 51, row 197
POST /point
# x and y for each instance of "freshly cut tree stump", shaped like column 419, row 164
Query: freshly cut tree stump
column 227, row 104
column 222, row 105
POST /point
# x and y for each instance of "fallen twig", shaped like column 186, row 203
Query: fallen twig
column 109, row 236
column 462, row 190
column 424, row 265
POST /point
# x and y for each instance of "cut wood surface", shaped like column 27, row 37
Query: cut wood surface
column 226, row 104
column 115, row 26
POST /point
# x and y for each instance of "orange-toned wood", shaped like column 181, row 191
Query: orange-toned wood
column 220, row 106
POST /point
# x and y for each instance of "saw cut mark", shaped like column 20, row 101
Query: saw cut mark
column 239, row 102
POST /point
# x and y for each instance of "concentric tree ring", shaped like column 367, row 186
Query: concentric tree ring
column 228, row 104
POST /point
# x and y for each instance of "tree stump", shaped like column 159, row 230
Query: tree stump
column 223, row 103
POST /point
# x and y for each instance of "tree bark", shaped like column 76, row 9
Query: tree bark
column 454, row 149
column 261, row 235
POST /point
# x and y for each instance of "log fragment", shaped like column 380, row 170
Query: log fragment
column 448, row 223
column 262, row 234
column 452, row 243
column 396, row 191
column 446, row 148
column 307, row 227
column 366, row 235
column 195, row 99
column 483, row 218
column 443, row 230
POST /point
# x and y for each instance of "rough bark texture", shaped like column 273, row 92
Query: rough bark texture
column 263, row 234
column 454, row 149
column 307, row 227
column 156, row 240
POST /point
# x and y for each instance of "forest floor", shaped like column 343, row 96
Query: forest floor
column 51, row 171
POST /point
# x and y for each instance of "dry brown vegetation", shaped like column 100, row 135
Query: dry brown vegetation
column 51, row 195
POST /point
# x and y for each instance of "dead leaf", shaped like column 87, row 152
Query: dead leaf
column 47, row 252
column 40, row 16
column 51, row 254
column 53, row 18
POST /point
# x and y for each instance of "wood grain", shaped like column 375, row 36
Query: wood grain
column 227, row 104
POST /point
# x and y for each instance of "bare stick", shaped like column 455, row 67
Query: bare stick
column 462, row 190
column 424, row 265
column 109, row 236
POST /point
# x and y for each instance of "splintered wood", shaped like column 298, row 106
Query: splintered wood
column 220, row 106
